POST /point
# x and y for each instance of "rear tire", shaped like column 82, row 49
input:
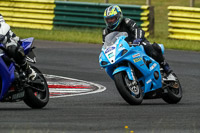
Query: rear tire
column 125, row 91
column 36, row 99
column 174, row 94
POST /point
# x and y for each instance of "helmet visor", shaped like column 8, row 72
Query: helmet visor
column 110, row 21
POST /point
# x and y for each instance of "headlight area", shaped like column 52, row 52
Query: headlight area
column 103, row 63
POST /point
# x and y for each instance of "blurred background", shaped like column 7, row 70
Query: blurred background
column 94, row 35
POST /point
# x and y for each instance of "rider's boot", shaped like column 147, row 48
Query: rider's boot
column 166, row 68
column 29, row 71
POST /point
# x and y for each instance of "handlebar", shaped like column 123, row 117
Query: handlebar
column 133, row 44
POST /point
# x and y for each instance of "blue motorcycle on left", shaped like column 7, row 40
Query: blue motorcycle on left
column 14, row 84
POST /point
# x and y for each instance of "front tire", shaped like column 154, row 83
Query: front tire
column 130, row 95
column 34, row 98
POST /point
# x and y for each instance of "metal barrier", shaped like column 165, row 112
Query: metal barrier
column 91, row 14
column 45, row 14
column 36, row 14
column 184, row 23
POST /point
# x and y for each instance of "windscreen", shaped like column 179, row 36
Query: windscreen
column 112, row 38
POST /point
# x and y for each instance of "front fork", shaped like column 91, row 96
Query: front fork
column 130, row 79
column 133, row 84
column 134, row 81
column 128, row 69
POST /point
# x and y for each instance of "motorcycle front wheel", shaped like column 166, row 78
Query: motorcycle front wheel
column 131, row 93
column 37, row 96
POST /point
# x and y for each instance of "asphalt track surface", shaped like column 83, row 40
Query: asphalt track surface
column 104, row 112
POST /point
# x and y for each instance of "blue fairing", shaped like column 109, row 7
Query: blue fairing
column 7, row 75
column 26, row 44
column 112, row 56
column 162, row 48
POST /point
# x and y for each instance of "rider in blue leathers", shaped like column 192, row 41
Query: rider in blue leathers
column 14, row 50
column 115, row 22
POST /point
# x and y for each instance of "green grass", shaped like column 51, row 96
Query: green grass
column 85, row 35
column 91, row 35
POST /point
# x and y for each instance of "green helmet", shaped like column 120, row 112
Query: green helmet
column 113, row 17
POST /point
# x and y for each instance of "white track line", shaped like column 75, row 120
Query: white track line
column 100, row 87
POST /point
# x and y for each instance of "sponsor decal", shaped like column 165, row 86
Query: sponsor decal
column 153, row 66
column 110, row 55
column 149, row 81
column 136, row 55
column 109, row 49
column 137, row 59
column 64, row 87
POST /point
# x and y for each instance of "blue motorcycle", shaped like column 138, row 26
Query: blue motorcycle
column 14, row 84
column 137, row 76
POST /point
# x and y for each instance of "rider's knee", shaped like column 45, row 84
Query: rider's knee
column 157, row 47
column 148, row 48
column 12, row 50
column 16, row 52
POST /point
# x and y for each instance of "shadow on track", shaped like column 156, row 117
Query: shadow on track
column 20, row 109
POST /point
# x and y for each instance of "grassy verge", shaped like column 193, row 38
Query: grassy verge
column 88, row 35
column 84, row 35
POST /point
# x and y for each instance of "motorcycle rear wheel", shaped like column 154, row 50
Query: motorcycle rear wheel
column 133, row 97
column 174, row 94
column 37, row 99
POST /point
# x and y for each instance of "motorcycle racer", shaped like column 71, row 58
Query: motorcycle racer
column 115, row 21
column 14, row 50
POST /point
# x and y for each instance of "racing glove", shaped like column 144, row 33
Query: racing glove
column 137, row 41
